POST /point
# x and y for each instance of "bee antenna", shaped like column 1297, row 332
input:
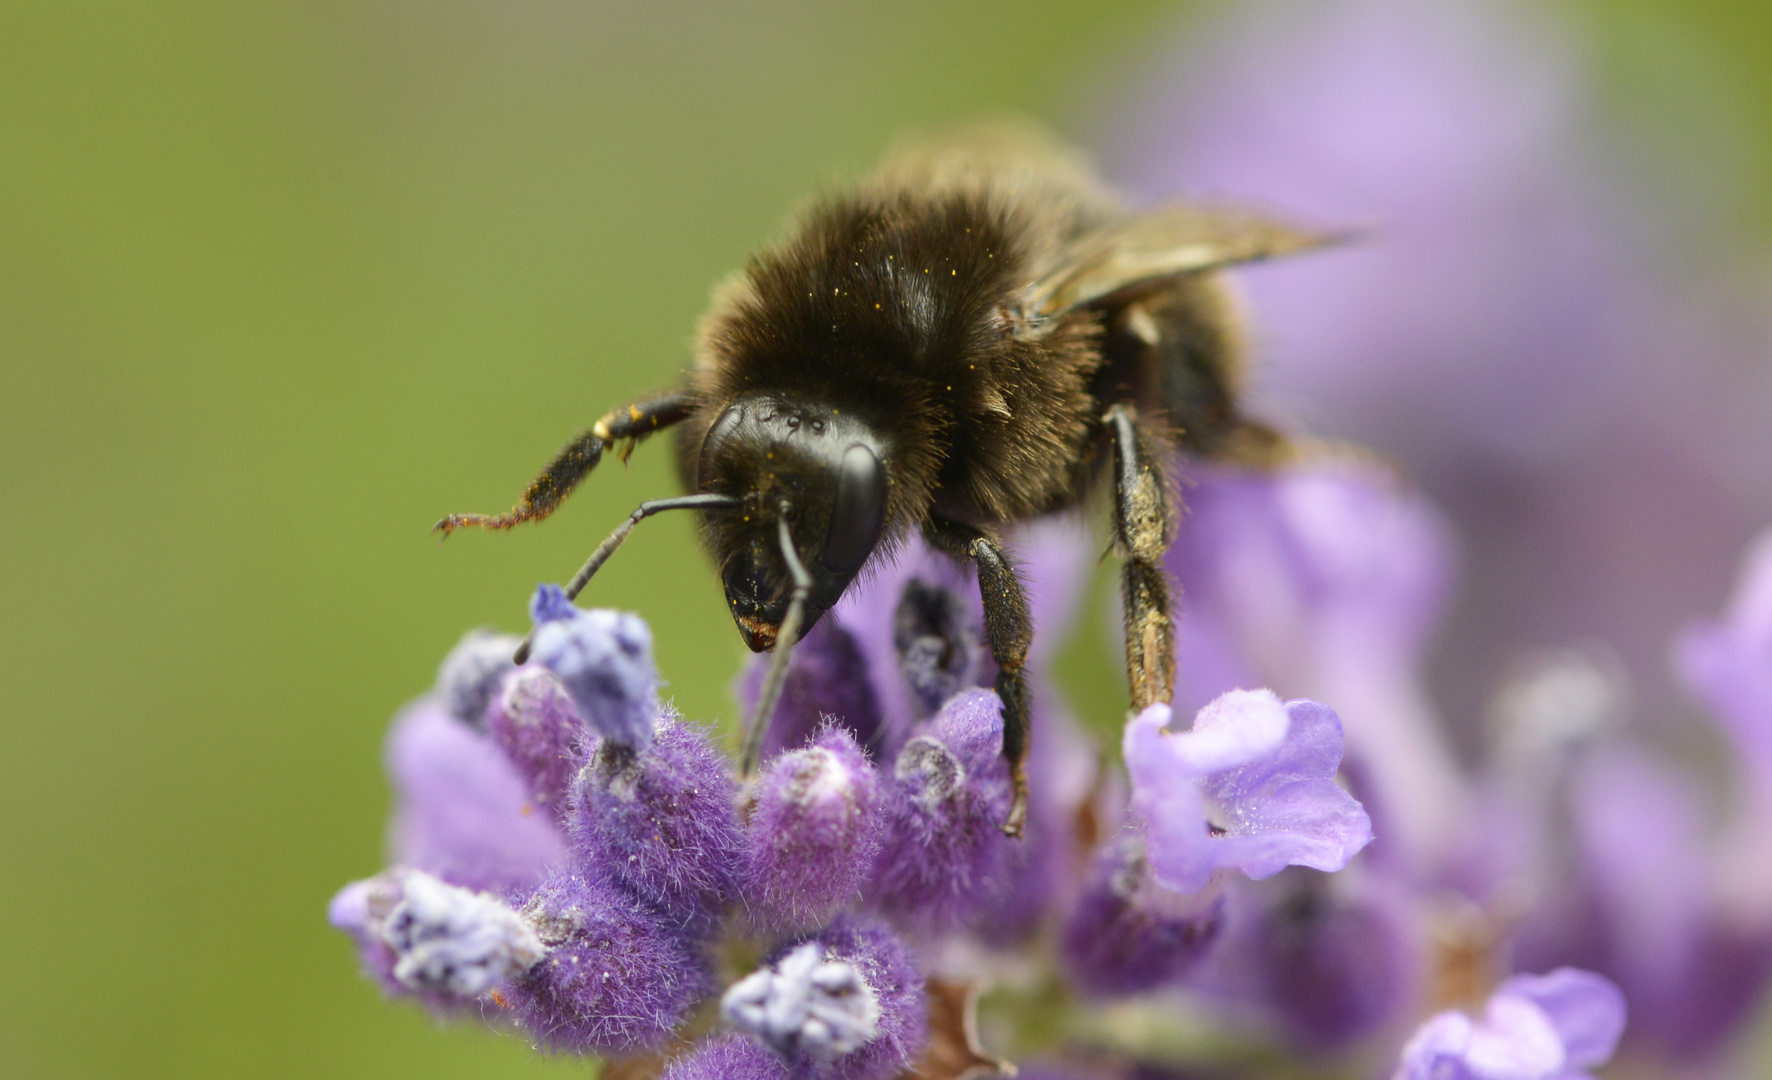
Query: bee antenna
column 784, row 647
column 607, row 547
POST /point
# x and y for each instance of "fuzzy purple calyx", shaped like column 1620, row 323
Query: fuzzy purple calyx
column 604, row 659
column 812, row 834
column 454, row 940
column 805, row 1004
column 661, row 825
column 1251, row 787
column 535, row 722
column 943, row 856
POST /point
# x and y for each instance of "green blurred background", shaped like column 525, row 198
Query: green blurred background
column 279, row 285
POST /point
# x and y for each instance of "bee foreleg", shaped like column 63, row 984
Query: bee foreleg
column 576, row 459
column 1009, row 628
column 1143, row 527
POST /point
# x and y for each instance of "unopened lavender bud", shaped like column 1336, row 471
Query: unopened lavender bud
column 661, row 824
column 1129, row 934
column 469, row 676
column 812, row 833
column 615, row 979
column 604, row 659
column 535, row 722
column 943, row 854
column 456, row 940
column 845, row 1005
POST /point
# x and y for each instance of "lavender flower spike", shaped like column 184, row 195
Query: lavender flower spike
column 605, row 660
column 1729, row 663
column 1534, row 1027
column 1251, row 786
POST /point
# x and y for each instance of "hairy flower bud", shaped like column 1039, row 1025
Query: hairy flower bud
column 811, row 838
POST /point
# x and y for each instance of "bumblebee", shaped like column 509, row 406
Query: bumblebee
column 975, row 334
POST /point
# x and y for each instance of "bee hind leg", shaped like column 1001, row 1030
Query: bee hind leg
column 628, row 424
column 1143, row 528
column 1010, row 629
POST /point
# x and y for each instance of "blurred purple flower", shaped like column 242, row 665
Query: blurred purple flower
column 1534, row 1027
column 1251, row 786
column 1509, row 330
column 461, row 809
column 1728, row 663
column 1129, row 934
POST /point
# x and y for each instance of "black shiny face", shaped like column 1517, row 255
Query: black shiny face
column 829, row 472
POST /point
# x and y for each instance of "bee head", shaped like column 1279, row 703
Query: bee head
column 823, row 471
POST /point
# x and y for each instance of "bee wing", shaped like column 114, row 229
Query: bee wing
column 1139, row 256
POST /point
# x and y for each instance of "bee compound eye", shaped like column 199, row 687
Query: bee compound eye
column 858, row 513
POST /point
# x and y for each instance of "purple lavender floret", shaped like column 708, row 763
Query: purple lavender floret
column 615, row 981
column 1534, row 1027
column 470, row 675
column 421, row 936
column 728, row 1057
column 662, row 823
column 604, row 659
column 846, row 1004
column 461, row 809
column 812, row 835
column 1250, row 786
column 943, row 854
column 536, row 724
column 1129, row 934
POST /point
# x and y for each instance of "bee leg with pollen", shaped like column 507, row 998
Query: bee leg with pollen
column 629, row 423
column 1009, row 628
column 1143, row 528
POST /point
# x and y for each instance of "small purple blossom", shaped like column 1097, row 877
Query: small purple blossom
column 1251, row 786
column 1534, row 1027
column 943, row 854
column 615, row 980
column 536, row 724
column 604, row 658
column 812, row 835
column 423, row 936
column 661, row 823
column 844, row 1005
column 806, row 1005
column 456, row 940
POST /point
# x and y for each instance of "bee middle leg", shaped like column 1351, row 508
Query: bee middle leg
column 1143, row 528
column 627, row 424
column 1010, row 629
